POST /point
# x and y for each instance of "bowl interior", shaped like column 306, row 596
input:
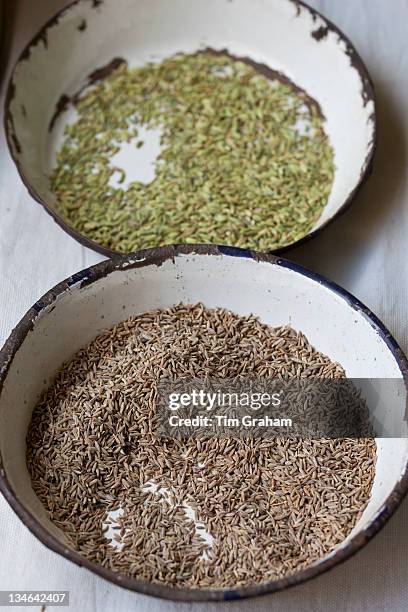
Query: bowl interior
column 282, row 34
column 276, row 293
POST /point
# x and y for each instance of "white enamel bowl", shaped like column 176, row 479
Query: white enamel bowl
column 77, row 310
column 285, row 35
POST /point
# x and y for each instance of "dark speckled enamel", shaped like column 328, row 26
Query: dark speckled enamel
column 158, row 257
column 318, row 34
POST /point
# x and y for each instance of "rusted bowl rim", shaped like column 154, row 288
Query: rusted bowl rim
column 355, row 61
column 157, row 256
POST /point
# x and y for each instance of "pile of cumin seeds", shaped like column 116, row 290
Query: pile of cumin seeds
column 244, row 160
column 201, row 512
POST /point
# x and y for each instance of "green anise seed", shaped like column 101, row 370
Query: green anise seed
column 244, row 160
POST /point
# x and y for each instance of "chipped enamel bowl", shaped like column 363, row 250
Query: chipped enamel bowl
column 80, row 43
column 279, row 292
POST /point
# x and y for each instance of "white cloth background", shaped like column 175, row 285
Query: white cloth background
column 365, row 251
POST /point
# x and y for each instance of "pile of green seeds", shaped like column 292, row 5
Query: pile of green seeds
column 244, row 160
column 120, row 494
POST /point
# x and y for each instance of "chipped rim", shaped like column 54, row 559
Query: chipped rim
column 356, row 62
column 157, row 256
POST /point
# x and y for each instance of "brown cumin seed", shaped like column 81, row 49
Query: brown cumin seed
column 271, row 506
